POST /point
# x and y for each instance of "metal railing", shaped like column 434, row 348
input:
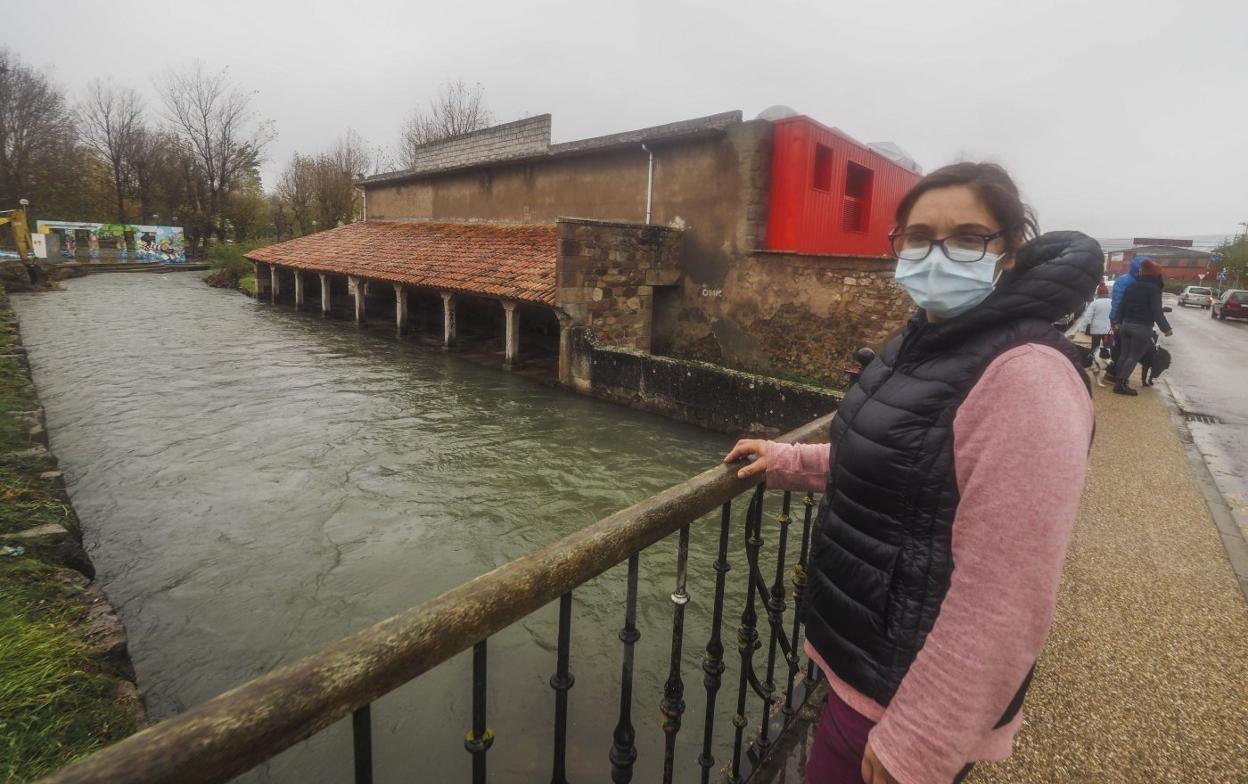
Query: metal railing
column 244, row 727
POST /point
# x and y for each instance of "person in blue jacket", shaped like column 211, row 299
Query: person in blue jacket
column 1115, row 316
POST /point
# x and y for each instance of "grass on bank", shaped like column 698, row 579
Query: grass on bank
column 55, row 706
column 55, row 703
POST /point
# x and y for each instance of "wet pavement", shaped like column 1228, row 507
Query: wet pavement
column 1210, row 377
column 1145, row 672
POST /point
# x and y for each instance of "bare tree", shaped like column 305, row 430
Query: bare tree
column 456, row 110
column 319, row 192
column 296, row 190
column 215, row 125
column 37, row 136
column 111, row 129
column 338, row 198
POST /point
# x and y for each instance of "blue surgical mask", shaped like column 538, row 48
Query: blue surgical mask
column 947, row 288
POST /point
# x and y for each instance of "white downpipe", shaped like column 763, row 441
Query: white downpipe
column 649, row 181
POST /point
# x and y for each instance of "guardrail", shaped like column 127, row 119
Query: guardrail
column 246, row 726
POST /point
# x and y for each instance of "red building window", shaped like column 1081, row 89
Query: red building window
column 855, row 213
column 823, row 168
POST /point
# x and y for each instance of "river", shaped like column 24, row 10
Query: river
column 254, row 483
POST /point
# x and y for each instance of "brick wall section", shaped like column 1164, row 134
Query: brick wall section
column 607, row 272
column 713, row 397
column 519, row 139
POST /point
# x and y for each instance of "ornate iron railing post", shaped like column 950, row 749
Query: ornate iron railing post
column 799, row 590
column 747, row 633
column 480, row 737
column 673, row 703
column 775, row 620
column 623, row 750
column 561, row 682
column 713, row 661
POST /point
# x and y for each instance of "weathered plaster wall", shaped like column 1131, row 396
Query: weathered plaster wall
column 791, row 315
column 709, row 396
column 714, row 186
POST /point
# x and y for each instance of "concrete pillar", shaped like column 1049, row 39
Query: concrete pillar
column 298, row 289
column 400, row 306
column 324, row 293
column 274, row 281
column 512, row 342
column 357, row 292
column 262, row 280
column 448, row 319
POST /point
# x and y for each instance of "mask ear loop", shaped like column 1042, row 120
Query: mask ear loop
column 1000, row 271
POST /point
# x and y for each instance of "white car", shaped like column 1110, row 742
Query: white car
column 1201, row 296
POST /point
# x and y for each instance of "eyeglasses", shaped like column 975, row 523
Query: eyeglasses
column 966, row 248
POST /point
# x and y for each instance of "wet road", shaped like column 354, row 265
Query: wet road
column 1209, row 375
column 255, row 483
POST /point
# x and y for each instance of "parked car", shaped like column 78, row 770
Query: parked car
column 1200, row 296
column 1232, row 304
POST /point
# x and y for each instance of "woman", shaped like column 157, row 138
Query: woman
column 950, row 487
column 1141, row 309
column 1095, row 323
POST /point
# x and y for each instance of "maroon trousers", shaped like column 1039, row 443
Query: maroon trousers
column 840, row 741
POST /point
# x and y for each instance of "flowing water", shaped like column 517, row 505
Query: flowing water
column 255, row 483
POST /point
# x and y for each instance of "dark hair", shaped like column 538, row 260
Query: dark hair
column 1150, row 269
column 995, row 189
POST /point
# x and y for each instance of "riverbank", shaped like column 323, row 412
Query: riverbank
column 66, row 681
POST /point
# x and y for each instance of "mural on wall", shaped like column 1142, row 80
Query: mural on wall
column 119, row 241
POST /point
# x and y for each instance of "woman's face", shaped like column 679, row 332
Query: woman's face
column 957, row 209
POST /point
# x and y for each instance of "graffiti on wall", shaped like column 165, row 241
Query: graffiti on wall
column 118, row 241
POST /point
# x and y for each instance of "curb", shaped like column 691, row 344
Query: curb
column 1233, row 541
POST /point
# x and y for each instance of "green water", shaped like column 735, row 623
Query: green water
column 255, row 483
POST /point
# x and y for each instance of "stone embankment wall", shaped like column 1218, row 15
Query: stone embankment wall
column 792, row 315
column 91, row 698
column 702, row 394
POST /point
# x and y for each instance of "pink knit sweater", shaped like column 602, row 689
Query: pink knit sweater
column 1020, row 453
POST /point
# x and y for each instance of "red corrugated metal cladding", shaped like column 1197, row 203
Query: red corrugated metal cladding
column 830, row 194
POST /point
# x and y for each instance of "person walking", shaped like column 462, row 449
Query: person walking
column 950, row 488
column 1140, row 309
column 1121, row 285
column 1094, row 322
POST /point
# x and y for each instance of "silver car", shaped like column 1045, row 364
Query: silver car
column 1201, row 296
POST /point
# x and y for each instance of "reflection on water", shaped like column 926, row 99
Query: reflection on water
column 255, row 483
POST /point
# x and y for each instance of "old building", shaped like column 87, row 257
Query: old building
column 759, row 245
column 1178, row 259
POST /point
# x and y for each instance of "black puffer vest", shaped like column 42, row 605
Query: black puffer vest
column 882, row 560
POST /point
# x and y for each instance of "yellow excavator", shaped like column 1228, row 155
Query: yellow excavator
column 16, row 220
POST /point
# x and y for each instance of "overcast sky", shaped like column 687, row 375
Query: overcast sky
column 1117, row 117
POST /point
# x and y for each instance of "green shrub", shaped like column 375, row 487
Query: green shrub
column 229, row 265
column 247, row 285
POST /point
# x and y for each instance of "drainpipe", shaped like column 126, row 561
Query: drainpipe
column 649, row 181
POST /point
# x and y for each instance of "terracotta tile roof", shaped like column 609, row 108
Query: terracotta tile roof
column 491, row 259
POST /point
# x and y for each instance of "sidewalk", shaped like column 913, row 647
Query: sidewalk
column 1145, row 675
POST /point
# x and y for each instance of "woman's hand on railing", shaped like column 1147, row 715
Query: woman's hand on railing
column 746, row 448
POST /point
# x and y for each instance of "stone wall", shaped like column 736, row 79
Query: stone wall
column 793, row 315
column 716, row 398
column 607, row 272
column 519, row 139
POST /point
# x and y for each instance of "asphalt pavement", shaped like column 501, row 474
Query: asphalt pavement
column 1209, row 382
